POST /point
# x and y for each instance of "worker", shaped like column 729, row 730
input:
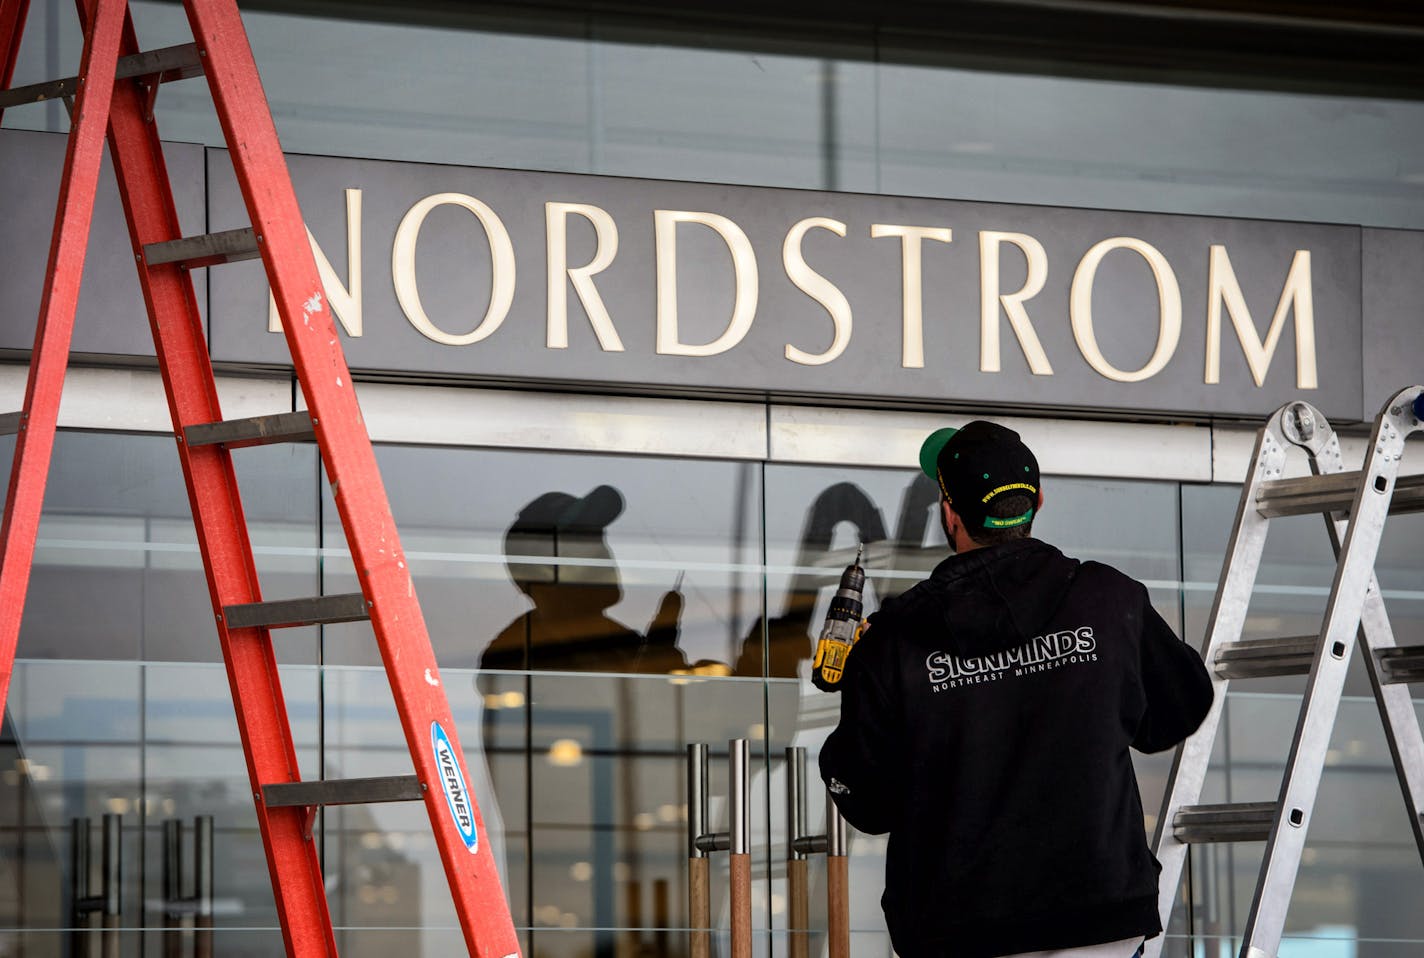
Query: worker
column 986, row 717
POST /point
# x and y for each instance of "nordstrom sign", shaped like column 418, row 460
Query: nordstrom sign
column 533, row 277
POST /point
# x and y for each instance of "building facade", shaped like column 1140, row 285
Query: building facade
column 649, row 312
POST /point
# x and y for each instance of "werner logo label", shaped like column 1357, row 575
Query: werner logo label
column 457, row 794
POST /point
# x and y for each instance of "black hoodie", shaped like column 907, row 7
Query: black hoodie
column 986, row 716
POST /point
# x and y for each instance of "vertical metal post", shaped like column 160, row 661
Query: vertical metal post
column 699, row 890
column 172, row 887
column 172, row 862
column 176, row 904
column 111, row 879
column 203, row 886
column 837, row 881
column 797, row 882
column 112, row 865
column 740, row 866
column 78, row 885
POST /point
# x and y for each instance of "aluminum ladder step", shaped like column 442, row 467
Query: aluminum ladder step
column 256, row 431
column 289, row 613
column 1332, row 492
column 10, row 423
column 1259, row 658
column 1404, row 663
column 167, row 64
column 349, row 791
column 1241, row 822
column 209, row 249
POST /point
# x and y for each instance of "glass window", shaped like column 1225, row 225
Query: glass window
column 588, row 612
column 1360, row 865
column 117, row 574
column 546, row 561
column 865, row 113
column 1145, row 146
column 119, row 704
column 593, row 616
column 816, row 517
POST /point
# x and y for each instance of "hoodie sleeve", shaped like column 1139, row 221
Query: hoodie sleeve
column 1175, row 683
column 861, row 760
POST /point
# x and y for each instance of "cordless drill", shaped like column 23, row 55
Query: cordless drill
column 842, row 629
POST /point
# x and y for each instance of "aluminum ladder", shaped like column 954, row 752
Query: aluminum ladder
column 115, row 90
column 1355, row 506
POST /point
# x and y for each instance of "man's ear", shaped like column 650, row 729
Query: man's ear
column 951, row 518
column 1039, row 507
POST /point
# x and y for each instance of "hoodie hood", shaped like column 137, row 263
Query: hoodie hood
column 998, row 597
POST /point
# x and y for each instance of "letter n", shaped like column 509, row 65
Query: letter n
column 345, row 301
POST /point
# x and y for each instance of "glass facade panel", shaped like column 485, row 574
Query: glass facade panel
column 594, row 615
column 546, row 561
column 117, row 573
column 1360, row 870
column 1145, row 146
column 119, row 705
column 722, row 572
column 594, row 94
column 816, row 516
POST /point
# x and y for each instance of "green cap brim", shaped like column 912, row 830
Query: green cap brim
column 930, row 450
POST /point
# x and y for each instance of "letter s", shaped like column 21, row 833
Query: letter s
column 1086, row 642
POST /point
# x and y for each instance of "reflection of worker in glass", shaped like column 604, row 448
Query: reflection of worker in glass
column 790, row 638
column 569, row 628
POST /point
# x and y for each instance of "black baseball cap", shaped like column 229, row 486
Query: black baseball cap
column 978, row 464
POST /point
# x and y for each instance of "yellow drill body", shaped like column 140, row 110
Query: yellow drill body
column 842, row 629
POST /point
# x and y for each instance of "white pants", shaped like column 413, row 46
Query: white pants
column 1112, row 949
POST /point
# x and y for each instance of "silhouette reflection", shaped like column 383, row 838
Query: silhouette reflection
column 780, row 644
column 557, row 554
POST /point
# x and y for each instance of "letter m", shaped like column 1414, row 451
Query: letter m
column 1222, row 288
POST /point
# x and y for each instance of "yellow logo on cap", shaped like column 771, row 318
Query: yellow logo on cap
column 1014, row 485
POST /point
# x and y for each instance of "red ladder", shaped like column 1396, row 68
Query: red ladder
column 115, row 87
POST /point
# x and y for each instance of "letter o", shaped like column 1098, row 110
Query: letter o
column 1169, row 300
column 501, row 268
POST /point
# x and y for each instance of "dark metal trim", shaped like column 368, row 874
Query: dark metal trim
column 287, row 613
column 39, row 92
column 348, row 791
column 1242, row 822
column 1403, row 663
column 714, row 842
column 256, row 431
column 1334, row 492
column 1259, row 658
column 167, row 63
column 209, row 249
column 177, row 62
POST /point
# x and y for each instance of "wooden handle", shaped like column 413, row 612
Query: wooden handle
column 838, row 905
column 109, row 937
column 203, row 936
column 798, row 888
column 172, row 936
column 741, row 868
column 662, row 918
column 699, row 909
column 633, row 903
